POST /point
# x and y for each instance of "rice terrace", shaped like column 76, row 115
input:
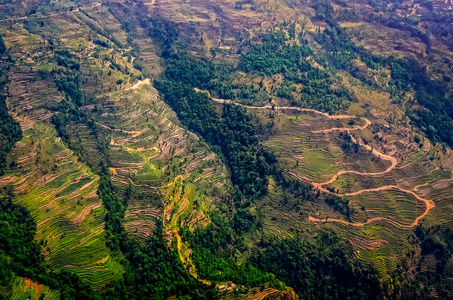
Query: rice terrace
column 225, row 149
column 428, row 203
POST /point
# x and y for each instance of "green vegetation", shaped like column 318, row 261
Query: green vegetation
column 123, row 182
column 17, row 236
column 71, row 226
column 430, row 109
column 21, row 255
column 321, row 269
column 212, row 258
column 67, row 77
column 26, row 289
column 339, row 204
column 156, row 272
column 10, row 131
column 279, row 53
column 435, row 242
column 233, row 134
column 2, row 46
column 152, row 269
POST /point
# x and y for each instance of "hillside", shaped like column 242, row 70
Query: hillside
column 161, row 149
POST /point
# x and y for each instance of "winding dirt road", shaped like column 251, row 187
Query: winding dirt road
column 429, row 204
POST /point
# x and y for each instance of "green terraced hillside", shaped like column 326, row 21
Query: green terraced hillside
column 159, row 149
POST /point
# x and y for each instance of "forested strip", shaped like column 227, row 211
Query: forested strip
column 10, row 131
column 321, row 269
column 213, row 256
column 277, row 52
column 231, row 134
column 435, row 242
column 155, row 271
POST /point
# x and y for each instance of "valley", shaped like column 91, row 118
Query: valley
column 171, row 147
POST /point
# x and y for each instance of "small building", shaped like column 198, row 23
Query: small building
column 221, row 287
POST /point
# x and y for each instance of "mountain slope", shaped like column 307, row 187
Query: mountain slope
column 210, row 134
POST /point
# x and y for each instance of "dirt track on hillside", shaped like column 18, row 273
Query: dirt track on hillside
column 429, row 204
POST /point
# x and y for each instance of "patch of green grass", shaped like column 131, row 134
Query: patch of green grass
column 47, row 67
column 74, row 187
column 317, row 163
column 301, row 117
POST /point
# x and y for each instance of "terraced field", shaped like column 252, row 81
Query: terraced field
column 172, row 177
column 59, row 190
column 384, row 199
column 151, row 157
column 393, row 177
column 148, row 149
column 49, row 179
column 258, row 294
column 27, row 289
column 64, row 202
column 156, row 154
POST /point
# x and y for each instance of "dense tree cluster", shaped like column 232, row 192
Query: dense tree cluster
column 10, row 131
column 435, row 242
column 274, row 56
column 435, row 116
column 299, row 189
column 231, row 134
column 321, row 269
column 277, row 53
column 438, row 241
column 17, row 231
column 340, row 205
column 67, row 77
column 161, row 29
column 155, row 271
column 431, row 109
column 2, row 46
column 348, row 146
column 212, row 256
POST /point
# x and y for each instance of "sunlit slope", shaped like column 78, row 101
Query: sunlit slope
column 149, row 154
column 26, row 289
column 50, row 180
